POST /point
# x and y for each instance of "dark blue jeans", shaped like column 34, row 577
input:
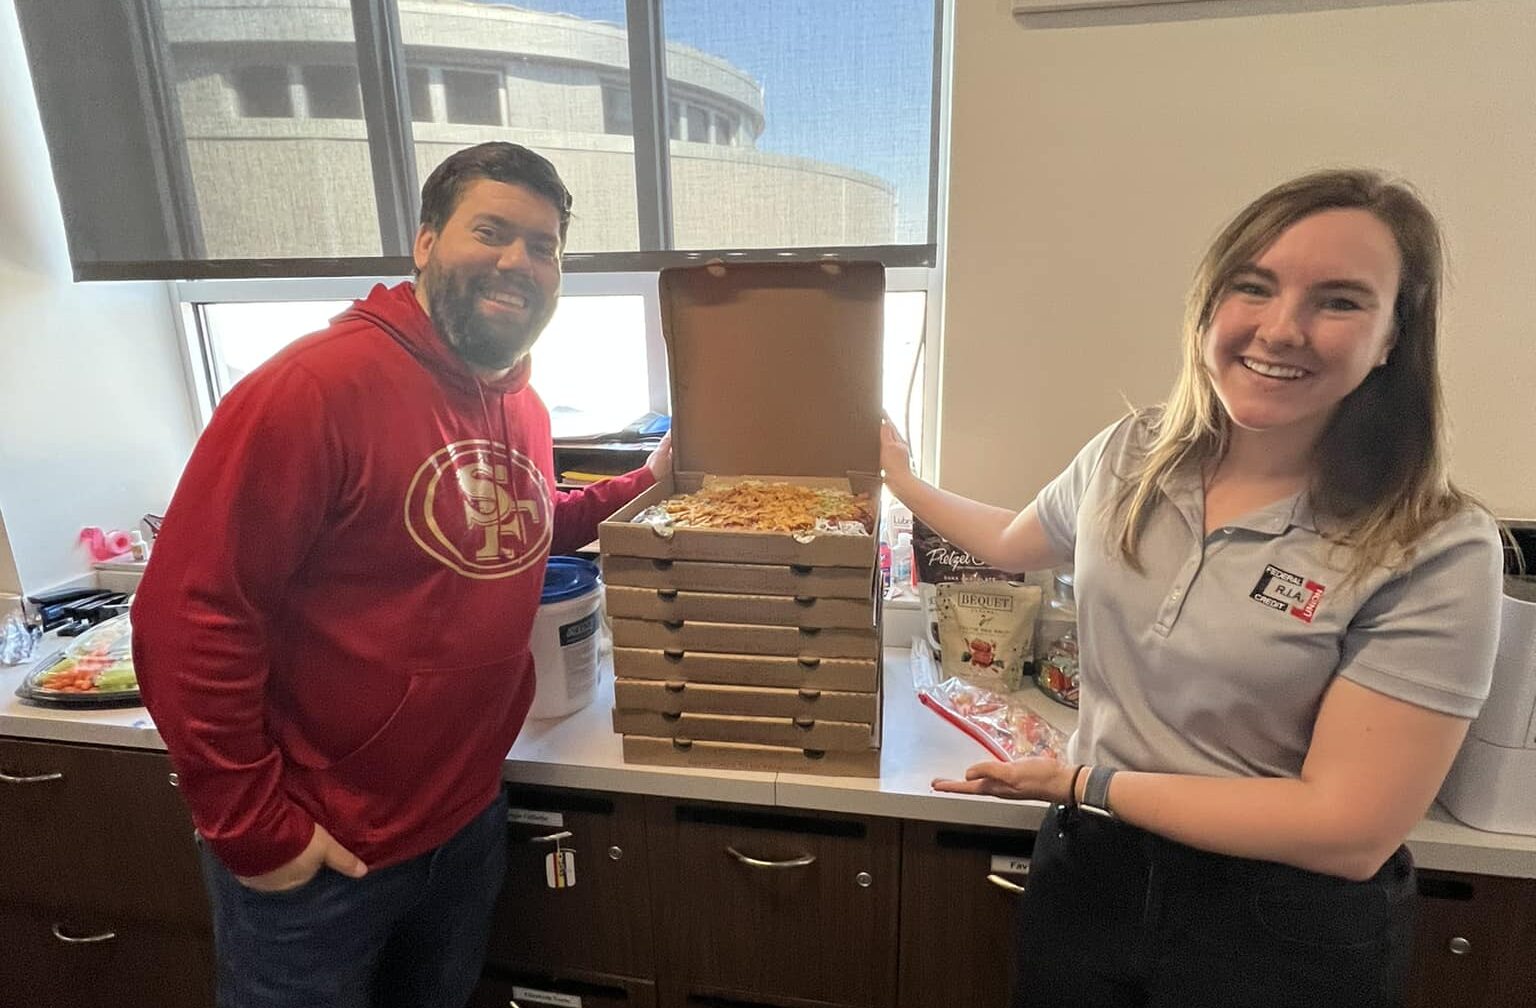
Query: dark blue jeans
column 409, row 936
column 1116, row 916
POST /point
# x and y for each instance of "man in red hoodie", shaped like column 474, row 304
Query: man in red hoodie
column 332, row 636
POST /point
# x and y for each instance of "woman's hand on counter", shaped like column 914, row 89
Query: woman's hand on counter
column 323, row 851
column 1032, row 777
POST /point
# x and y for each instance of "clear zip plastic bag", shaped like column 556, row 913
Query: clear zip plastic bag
column 19, row 636
column 1001, row 723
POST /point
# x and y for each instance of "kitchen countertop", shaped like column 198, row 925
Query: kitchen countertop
column 581, row 751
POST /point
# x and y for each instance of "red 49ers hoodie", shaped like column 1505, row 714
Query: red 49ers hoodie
column 334, row 625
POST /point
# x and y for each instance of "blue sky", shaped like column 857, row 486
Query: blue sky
column 845, row 81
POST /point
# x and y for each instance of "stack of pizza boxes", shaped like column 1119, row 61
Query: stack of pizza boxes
column 757, row 650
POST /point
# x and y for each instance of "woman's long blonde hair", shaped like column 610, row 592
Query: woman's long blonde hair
column 1379, row 476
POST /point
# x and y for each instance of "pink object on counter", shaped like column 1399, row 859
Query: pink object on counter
column 105, row 545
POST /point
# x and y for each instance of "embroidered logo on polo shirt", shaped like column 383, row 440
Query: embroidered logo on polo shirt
column 1286, row 592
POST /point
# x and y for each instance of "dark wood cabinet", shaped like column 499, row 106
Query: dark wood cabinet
column 96, row 829
column 510, row 989
column 101, row 895
column 1476, row 942
column 78, row 960
column 598, row 926
column 1475, row 945
column 758, row 907
column 676, row 904
column 960, row 888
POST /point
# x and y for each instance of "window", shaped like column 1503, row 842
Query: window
column 262, row 92
column 239, row 337
column 613, row 319
column 419, row 83
column 725, row 130
column 472, row 97
column 618, row 110
column 841, row 128
column 564, row 81
column 333, row 92
column 698, row 125
column 806, row 127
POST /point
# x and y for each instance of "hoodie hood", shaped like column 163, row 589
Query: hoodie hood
column 396, row 311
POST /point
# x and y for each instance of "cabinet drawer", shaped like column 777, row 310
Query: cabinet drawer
column 960, row 890
column 499, row 989
column 597, row 925
column 92, row 828
column 73, row 963
column 761, row 907
column 1474, row 943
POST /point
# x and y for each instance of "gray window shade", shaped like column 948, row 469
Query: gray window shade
column 234, row 138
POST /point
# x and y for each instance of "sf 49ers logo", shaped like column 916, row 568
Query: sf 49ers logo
column 480, row 509
column 1286, row 592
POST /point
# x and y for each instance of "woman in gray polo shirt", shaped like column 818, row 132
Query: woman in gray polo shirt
column 1287, row 616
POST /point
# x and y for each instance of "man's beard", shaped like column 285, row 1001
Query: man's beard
column 453, row 303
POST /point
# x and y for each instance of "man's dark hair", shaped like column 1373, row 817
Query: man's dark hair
column 498, row 161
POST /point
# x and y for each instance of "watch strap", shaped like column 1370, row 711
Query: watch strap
column 1096, row 791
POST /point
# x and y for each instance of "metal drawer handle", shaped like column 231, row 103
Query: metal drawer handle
column 1003, row 883
column 6, row 778
column 553, row 838
column 1460, row 946
column 752, row 862
column 58, row 932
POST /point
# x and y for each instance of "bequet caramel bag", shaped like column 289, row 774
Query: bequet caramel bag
column 987, row 629
column 940, row 561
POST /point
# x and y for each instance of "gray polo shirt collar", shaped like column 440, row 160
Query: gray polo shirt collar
column 1185, row 488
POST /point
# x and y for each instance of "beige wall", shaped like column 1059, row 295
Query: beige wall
column 1095, row 155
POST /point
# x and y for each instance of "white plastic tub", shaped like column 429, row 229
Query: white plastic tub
column 566, row 635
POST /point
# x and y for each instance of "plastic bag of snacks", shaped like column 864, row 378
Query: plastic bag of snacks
column 988, row 631
column 939, row 561
column 1003, row 725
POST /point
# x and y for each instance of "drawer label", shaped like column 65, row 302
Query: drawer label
column 535, row 817
column 532, row 996
column 1005, row 865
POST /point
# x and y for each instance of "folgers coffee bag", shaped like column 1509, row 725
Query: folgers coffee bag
column 940, row 562
column 988, row 630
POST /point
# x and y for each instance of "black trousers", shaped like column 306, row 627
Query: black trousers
column 1116, row 916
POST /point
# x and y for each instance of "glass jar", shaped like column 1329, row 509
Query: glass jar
column 1056, row 668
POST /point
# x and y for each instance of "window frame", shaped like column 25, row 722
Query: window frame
column 386, row 110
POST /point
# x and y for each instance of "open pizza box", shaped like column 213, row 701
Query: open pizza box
column 775, row 375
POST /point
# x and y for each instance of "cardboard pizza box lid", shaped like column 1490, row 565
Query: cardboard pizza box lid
column 775, row 368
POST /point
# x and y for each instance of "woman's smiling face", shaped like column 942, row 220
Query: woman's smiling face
column 1300, row 327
